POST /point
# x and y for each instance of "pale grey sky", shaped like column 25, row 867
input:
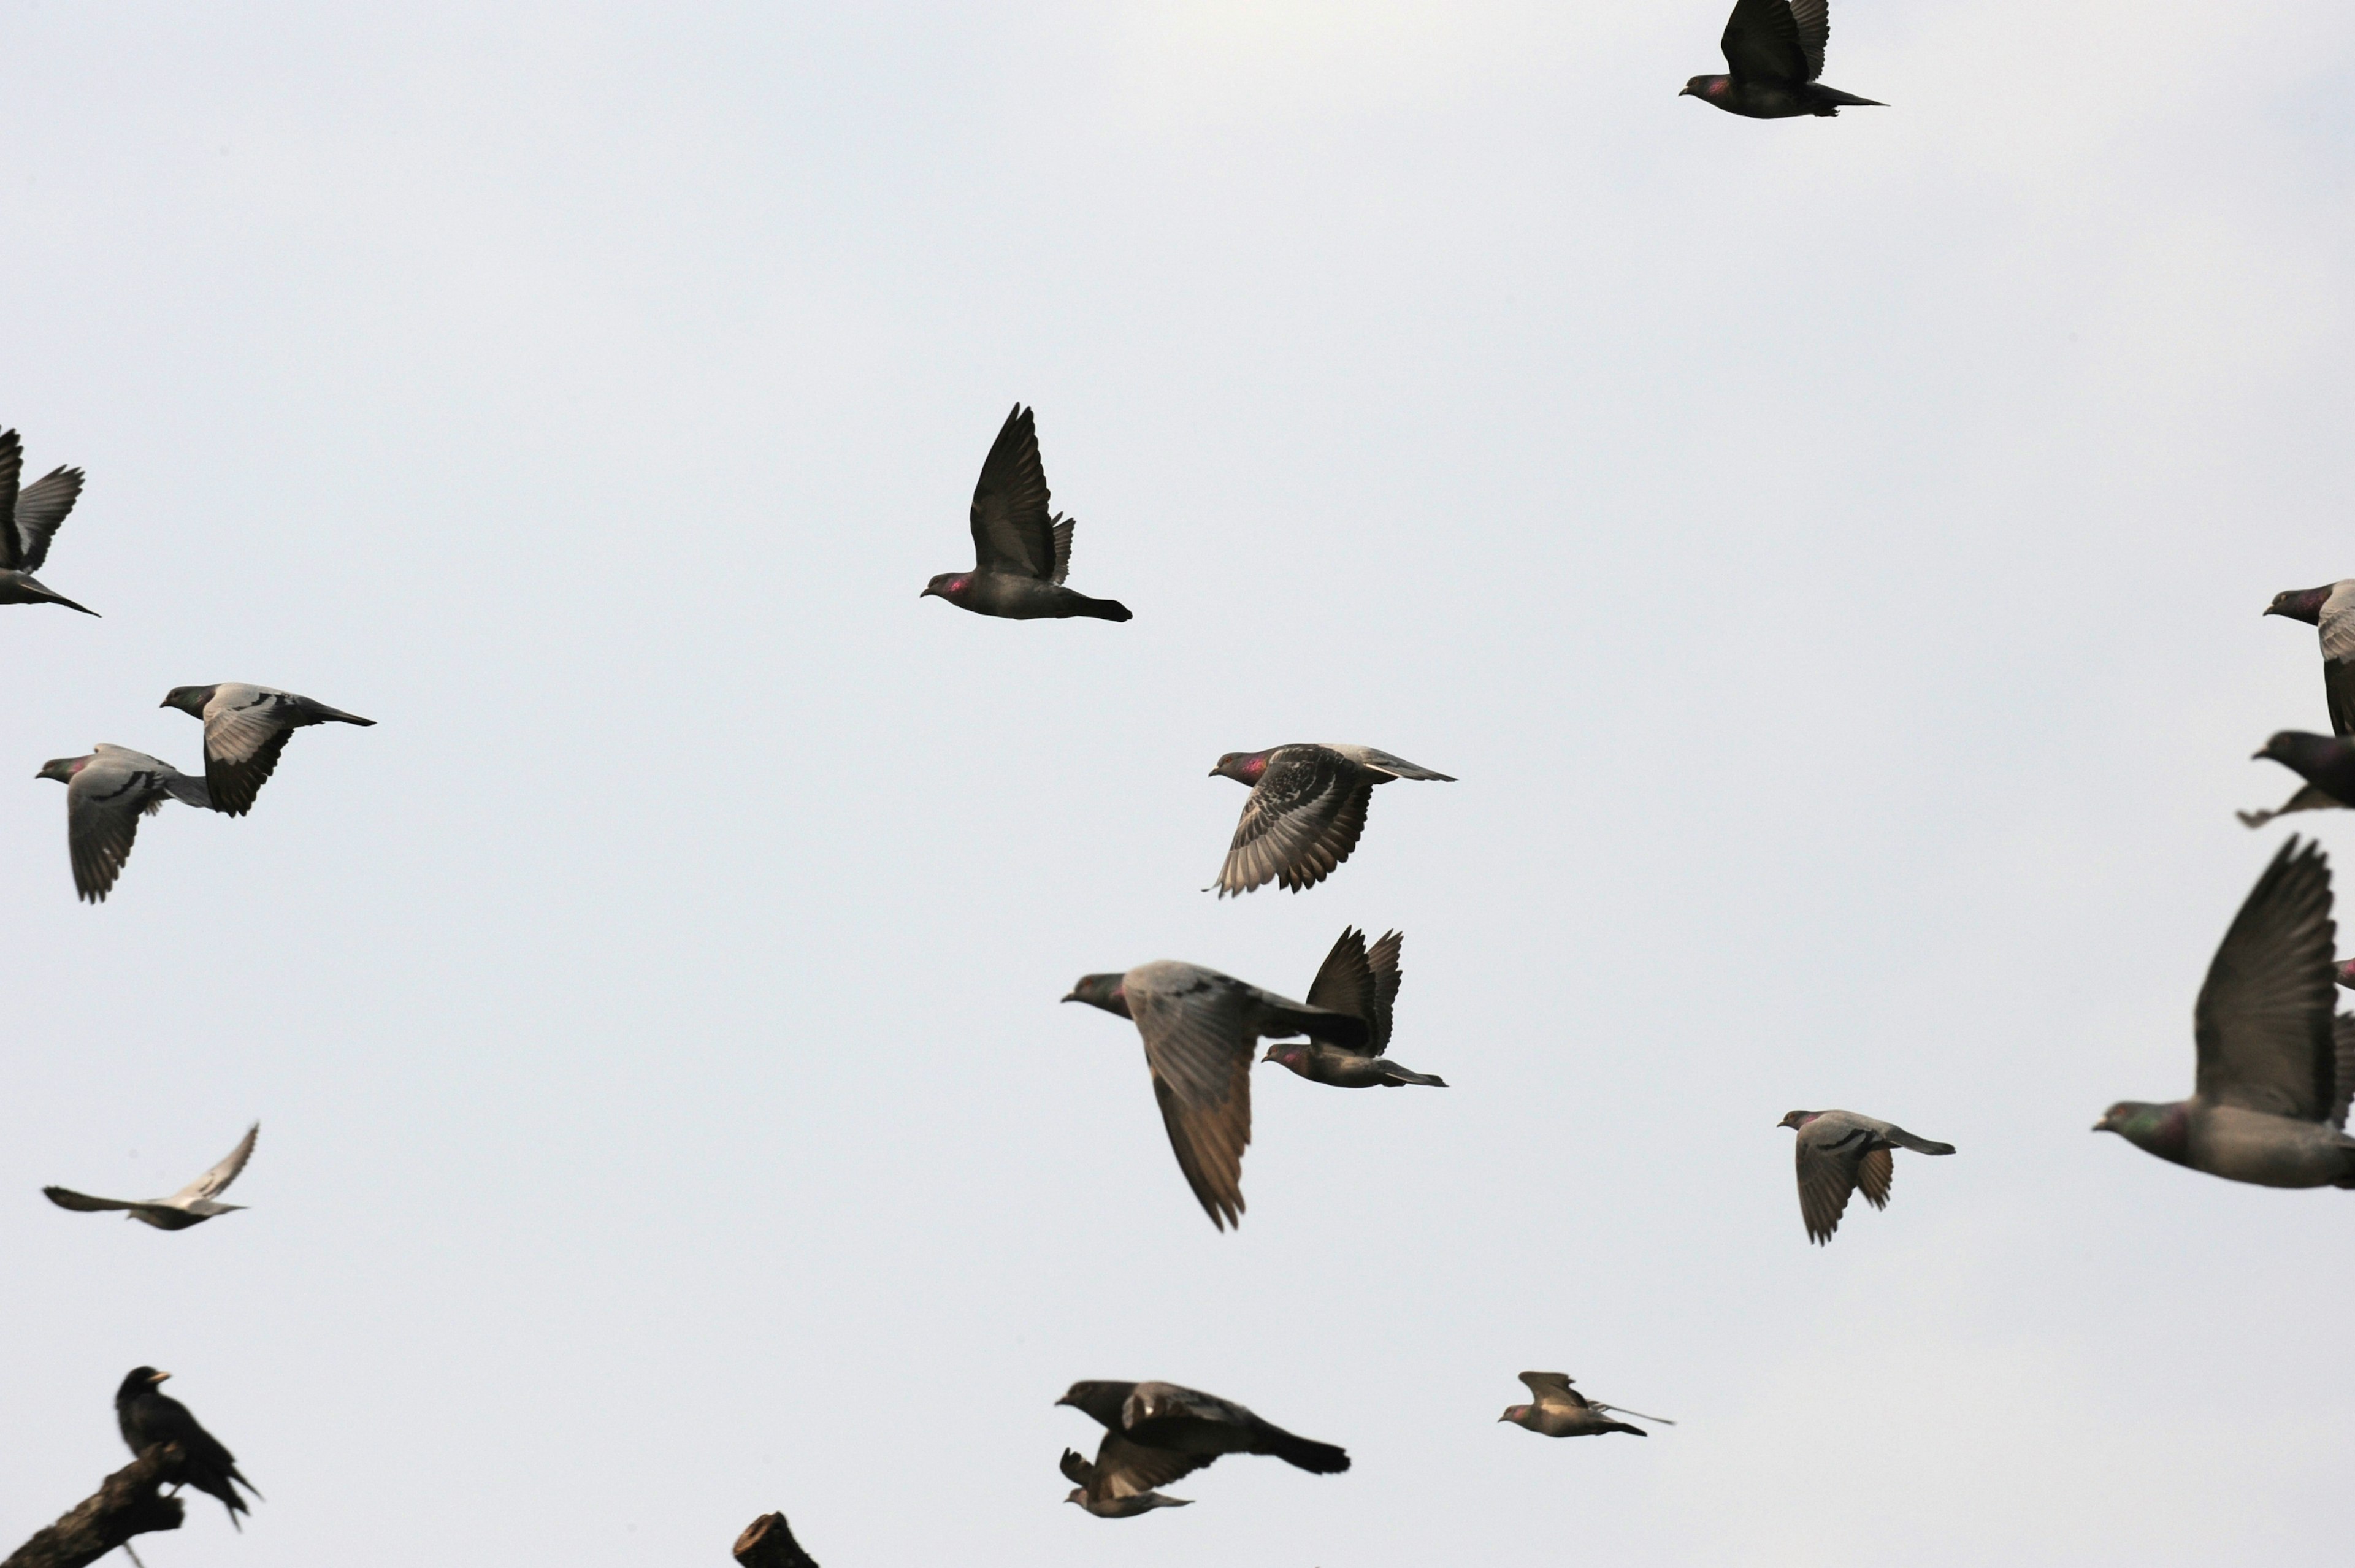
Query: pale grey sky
column 1829, row 552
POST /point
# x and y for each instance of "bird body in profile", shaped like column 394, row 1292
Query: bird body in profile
column 1774, row 51
column 2275, row 1068
column 1840, row 1152
column 148, row 1416
column 1165, row 1432
column 1306, row 808
column 1119, row 1484
column 107, row 792
column 1021, row 551
column 2330, row 610
column 1200, row 1029
column 29, row 518
column 191, row 1205
column 1363, row 983
column 246, row 727
column 1560, row 1410
column 2327, row 764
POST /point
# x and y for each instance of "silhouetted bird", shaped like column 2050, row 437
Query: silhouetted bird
column 106, row 794
column 1119, row 1484
column 1308, row 806
column 1840, row 1152
column 1021, row 550
column 1561, row 1411
column 2327, row 762
column 31, row 513
column 148, row 1416
column 2330, row 610
column 246, row 726
column 191, row 1205
column 2275, row 1071
column 1187, row 1424
column 1776, row 51
column 1200, row 1028
column 1364, row 985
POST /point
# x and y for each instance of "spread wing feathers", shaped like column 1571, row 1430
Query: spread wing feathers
column 40, row 507
column 1345, row 981
column 1012, row 529
column 2264, row 1019
column 2342, row 1089
column 102, row 819
column 1302, row 819
column 242, row 745
column 2312, row 797
column 1762, row 41
column 2337, row 626
column 1554, row 1388
column 1814, row 20
column 1198, row 1042
column 1129, row 1469
column 1874, row 1172
column 1063, row 527
column 12, row 469
column 82, row 1202
column 1383, row 959
column 215, row 1182
column 1827, row 1174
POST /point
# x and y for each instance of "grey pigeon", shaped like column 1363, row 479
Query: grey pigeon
column 1021, row 551
column 106, row 794
column 2330, row 610
column 1119, row 1484
column 1561, row 1411
column 1176, row 1431
column 1839, row 1152
column 148, row 1416
column 1364, row 985
column 1200, row 1028
column 246, row 726
column 2269, row 1101
column 191, row 1205
column 1308, row 806
column 1776, row 51
column 29, row 515
column 2327, row 762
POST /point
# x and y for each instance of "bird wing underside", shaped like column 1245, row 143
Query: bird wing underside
column 215, row 1182
column 1302, row 819
column 1129, row 1469
column 82, row 1202
column 2336, row 627
column 1554, row 1388
column 1198, row 1043
column 1874, row 1172
column 1012, row 531
column 40, row 507
column 2264, row 1021
column 1828, row 1170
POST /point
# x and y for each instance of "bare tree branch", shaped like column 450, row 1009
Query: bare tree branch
column 765, row 1543
column 125, row 1505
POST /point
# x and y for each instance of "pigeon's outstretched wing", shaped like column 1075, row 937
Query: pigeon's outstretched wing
column 214, row 1182
column 2264, row 1020
column 1012, row 531
column 1198, row 1042
column 1554, row 1388
column 82, row 1202
column 40, row 507
column 1828, row 1169
column 1302, row 820
column 1762, row 43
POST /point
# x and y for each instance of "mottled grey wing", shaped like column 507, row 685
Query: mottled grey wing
column 82, row 1202
column 1814, row 20
column 40, row 507
column 1552, row 1388
column 2264, row 1019
column 215, row 1182
column 1012, row 529
column 103, row 805
column 1130, row 1469
column 1302, row 820
column 1762, row 41
column 243, row 744
column 1198, row 1045
column 2342, row 1088
column 12, row 470
column 1826, row 1176
column 1874, row 1172
column 2337, row 629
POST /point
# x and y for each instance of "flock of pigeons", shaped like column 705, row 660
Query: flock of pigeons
column 2275, row 1064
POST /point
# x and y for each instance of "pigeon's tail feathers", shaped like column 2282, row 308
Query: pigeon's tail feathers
column 1904, row 1139
column 1622, row 1409
column 2255, row 818
column 1397, row 1075
column 324, row 714
column 1833, row 95
column 187, row 790
column 1100, row 608
column 1316, row 1458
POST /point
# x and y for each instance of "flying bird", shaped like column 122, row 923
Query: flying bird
column 106, row 794
column 1838, row 1152
column 1308, row 806
column 1200, row 1028
column 191, row 1205
column 148, row 1416
column 2327, row 762
column 1021, row 551
column 1560, row 1410
column 2330, row 609
column 1167, row 1432
column 1119, row 1484
column 246, row 726
column 2276, row 1070
column 1776, row 52
column 31, row 513
column 1364, row 985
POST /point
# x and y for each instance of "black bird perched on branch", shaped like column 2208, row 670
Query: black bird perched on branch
column 149, row 1416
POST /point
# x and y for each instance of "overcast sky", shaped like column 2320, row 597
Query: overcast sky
column 1829, row 552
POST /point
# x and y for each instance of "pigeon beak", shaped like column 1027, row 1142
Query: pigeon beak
column 2258, row 756
column 1071, row 997
column 159, row 1377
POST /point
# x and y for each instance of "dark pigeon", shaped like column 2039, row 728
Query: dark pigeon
column 1200, row 1028
column 246, row 727
column 1306, row 808
column 2330, row 610
column 29, row 518
column 1560, row 1410
column 106, row 794
column 1177, row 1431
column 1021, row 551
column 149, row 1416
column 2327, row 762
column 1776, row 52
column 2275, row 1068
column 1364, row 985
column 1119, row 1484
column 1840, row 1152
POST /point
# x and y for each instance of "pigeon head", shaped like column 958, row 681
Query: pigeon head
column 1243, row 767
column 189, row 699
column 138, row 1381
column 2299, row 604
column 1798, row 1119
column 1099, row 1399
column 61, row 769
column 1519, row 1413
column 1101, row 991
column 2347, row 974
column 2300, row 749
column 2161, row 1130
column 1707, row 87
column 949, row 585
column 1078, row 1495
column 1291, row 1053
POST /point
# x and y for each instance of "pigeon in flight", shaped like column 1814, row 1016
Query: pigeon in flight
column 148, row 1416
column 1021, row 550
column 31, row 513
column 2331, row 610
column 1838, row 1152
column 1308, row 806
column 1119, row 1484
column 191, row 1205
column 2327, row 762
column 1363, row 984
column 2269, row 1101
column 106, row 794
column 245, row 729
column 1561, row 1411
column 1776, row 51
column 1166, row 1432
column 1200, row 1028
